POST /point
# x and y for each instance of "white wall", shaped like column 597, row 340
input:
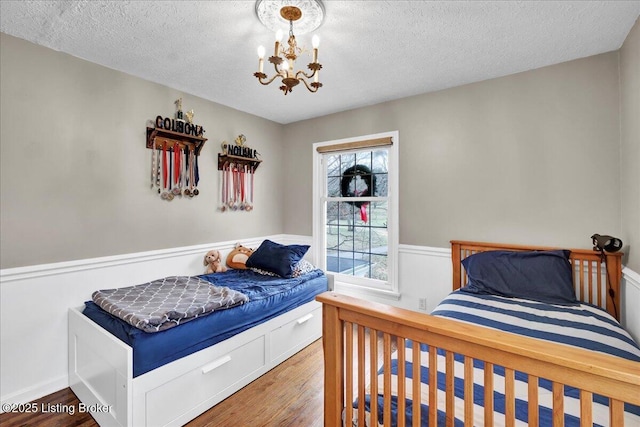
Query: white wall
column 630, row 315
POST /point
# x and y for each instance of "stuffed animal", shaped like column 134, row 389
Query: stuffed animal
column 238, row 257
column 213, row 261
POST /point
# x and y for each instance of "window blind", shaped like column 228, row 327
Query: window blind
column 367, row 143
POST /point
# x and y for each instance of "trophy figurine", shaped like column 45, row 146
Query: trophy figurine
column 179, row 115
column 189, row 115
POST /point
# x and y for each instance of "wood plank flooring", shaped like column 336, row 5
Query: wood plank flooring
column 290, row 395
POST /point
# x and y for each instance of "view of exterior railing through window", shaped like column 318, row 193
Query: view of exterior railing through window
column 357, row 213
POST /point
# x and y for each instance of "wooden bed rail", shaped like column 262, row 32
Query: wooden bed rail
column 613, row 377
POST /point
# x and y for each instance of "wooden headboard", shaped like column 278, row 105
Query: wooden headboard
column 588, row 272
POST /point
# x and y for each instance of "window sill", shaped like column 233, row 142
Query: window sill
column 360, row 291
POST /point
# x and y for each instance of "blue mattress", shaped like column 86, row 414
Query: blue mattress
column 269, row 297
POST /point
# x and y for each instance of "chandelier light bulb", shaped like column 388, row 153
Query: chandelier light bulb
column 279, row 35
column 315, row 41
column 285, row 67
column 260, row 59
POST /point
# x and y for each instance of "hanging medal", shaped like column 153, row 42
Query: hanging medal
column 177, row 154
column 248, row 190
column 170, row 177
column 241, row 181
column 232, row 187
column 196, row 176
column 164, row 195
column 250, row 196
column 192, row 180
column 153, row 164
column 236, row 193
column 183, row 170
column 187, row 163
column 158, row 167
column 223, row 188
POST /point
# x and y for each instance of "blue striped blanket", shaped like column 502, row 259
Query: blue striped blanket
column 581, row 325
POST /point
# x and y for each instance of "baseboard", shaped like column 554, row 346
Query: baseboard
column 30, row 394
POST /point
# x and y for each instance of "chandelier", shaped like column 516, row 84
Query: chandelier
column 284, row 56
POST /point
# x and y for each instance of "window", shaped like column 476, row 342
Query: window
column 355, row 211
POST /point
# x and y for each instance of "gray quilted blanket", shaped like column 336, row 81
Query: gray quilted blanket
column 167, row 302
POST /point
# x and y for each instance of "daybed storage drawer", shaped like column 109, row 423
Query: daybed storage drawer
column 294, row 333
column 184, row 393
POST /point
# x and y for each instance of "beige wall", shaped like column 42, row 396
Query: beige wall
column 630, row 146
column 75, row 173
column 514, row 159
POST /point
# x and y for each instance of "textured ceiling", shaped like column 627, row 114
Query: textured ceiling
column 371, row 51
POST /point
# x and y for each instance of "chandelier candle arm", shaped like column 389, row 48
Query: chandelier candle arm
column 312, row 87
column 261, row 78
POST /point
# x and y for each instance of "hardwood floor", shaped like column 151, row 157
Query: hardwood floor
column 291, row 394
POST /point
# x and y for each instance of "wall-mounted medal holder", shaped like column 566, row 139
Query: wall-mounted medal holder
column 175, row 145
column 238, row 164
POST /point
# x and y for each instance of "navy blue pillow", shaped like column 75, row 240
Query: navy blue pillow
column 277, row 258
column 544, row 276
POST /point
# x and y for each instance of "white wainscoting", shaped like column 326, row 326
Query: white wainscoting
column 426, row 272
column 34, row 301
column 630, row 317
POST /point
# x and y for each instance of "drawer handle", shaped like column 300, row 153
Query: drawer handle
column 305, row 318
column 216, row 364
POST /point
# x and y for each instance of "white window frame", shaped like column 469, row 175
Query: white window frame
column 389, row 288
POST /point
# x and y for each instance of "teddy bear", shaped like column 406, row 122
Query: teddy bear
column 238, row 257
column 213, row 262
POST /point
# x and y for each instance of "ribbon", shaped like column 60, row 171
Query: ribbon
column 242, row 204
column 164, row 164
column 153, row 163
column 177, row 153
column 196, row 177
column 197, row 172
column 363, row 212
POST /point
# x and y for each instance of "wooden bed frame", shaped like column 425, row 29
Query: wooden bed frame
column 345, row 317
